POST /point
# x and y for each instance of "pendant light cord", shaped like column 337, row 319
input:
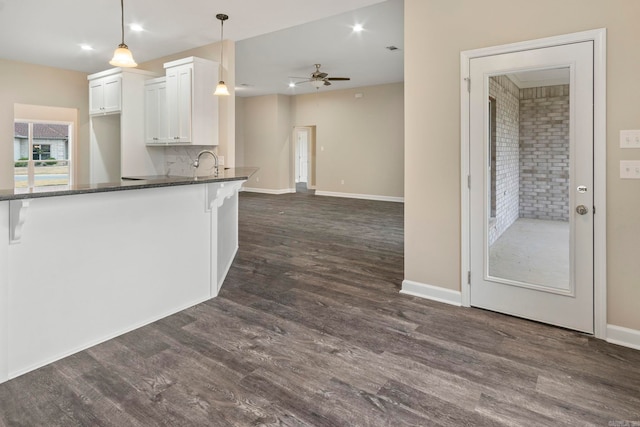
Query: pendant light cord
column 222, row 17
column 221, row 40
column 122, row 22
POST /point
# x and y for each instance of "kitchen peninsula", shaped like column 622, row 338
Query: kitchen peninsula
column 84, row 264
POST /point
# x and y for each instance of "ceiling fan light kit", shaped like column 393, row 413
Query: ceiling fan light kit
column 122, row 56
column 319, row 78
column 221, row 88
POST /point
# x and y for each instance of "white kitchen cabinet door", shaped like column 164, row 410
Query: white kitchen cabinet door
column 156, row 111
column 179, row 101
column 192, row 107
column 105, row 95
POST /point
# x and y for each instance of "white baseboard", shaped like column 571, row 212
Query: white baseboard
column 268, row 191
column 361, row 196
column 623, row 336
column 434, row 293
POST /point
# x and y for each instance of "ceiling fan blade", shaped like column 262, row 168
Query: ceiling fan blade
column 339, row 78
column 298, row 77
column 321, row 75
column 303, row 81
column 327, row 83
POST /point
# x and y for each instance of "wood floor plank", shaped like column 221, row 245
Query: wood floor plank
column 309, row 330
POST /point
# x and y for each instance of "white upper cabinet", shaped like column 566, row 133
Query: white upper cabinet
column 117, row 126
column 192, row 109
column 179, row 100
column 156, row 124
column 105, row 95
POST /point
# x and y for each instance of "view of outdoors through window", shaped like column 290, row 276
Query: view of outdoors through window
column 41, row 156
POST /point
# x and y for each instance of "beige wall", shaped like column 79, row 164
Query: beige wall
column 36, row 85
column 227, row 115
column 240, row 126
column 267, row 141
column 435, row 33
column 358, row 140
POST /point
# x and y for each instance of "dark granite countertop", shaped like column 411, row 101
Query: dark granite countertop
column 131, row 183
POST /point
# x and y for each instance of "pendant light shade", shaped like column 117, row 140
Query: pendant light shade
column 221, row 88
column 122, row 56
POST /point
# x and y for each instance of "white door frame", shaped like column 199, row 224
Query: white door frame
column 310, row 158
column 598, row 37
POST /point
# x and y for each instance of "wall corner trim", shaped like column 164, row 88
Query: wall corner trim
column 623, row 336
column 434, row 293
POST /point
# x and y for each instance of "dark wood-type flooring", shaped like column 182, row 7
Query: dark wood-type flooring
column 310, row 330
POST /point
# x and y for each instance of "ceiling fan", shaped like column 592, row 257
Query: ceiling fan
column 319, row 78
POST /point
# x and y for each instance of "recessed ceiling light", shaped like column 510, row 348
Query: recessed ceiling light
column 292, row 84
column 358, row 28
column 85, row 47
column 136, row 27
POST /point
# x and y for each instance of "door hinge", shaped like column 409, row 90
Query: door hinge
column 469, row 182
column 469, row 277
column 468, row 80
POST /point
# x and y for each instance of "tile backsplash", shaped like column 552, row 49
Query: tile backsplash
column 179, row 160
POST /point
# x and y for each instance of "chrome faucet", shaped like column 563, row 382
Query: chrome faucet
column 196, row 162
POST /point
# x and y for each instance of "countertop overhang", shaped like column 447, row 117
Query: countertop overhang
column 132, row 183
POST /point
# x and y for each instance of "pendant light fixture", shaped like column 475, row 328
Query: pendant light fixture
column 122, row 56
column 221, row 88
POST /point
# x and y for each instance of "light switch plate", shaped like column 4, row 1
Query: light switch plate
column 630, row 169
column 630, row 139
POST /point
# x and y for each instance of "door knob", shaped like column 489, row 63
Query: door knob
column 582, row 209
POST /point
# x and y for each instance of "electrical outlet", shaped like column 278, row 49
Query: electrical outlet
column 630, row 169
column 220, row 160
column 342, row 182
column 630, row 139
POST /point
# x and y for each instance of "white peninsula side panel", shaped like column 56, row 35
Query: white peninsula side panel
column 87, row 267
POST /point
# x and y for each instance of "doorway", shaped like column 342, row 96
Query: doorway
column 530, row 232
column 304, row 158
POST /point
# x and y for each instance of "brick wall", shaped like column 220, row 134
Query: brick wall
column 507, row 157
column 544, row 153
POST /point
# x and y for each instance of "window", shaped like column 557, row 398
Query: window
column 41, row 155
column 41, row 151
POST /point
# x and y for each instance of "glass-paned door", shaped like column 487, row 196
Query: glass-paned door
column 41, row 156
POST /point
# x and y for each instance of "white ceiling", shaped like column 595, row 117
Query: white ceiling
column 538, row 78
column 274, row 38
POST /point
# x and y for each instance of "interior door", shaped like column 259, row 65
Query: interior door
column 531, row 192
column 303, row 158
